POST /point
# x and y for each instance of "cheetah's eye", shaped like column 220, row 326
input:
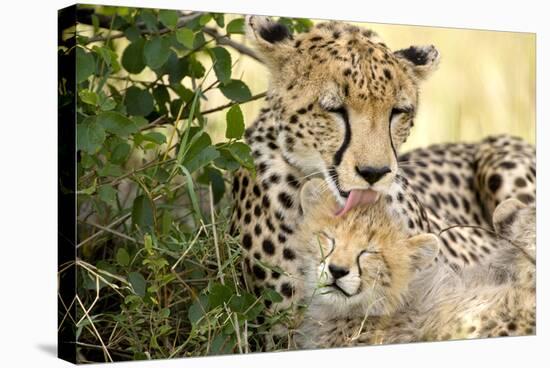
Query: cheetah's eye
column 400, row 110
column 340, row 110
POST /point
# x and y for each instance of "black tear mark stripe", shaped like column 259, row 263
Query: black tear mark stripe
column 392, row 145
column 347, row 136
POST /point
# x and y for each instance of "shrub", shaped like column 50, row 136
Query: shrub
column 158, row 274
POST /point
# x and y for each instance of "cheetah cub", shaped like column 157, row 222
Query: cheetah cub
column 369, row 282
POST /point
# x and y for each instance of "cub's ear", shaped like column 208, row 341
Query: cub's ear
column 316, row 198
column 505, row 215
column 424, row 249
column 423, row 59
column 272, row 39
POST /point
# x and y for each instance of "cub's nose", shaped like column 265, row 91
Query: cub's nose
column 372, row 174
column 337, row 271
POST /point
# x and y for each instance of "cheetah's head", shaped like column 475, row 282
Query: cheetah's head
column 360, row 263
column 344, row 102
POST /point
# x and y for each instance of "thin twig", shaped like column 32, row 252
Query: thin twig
column 226, row 41
column 95, row 329
column 223, row 107
column 114, row 232
column 111, row 225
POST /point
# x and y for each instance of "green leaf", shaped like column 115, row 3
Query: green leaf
column 120, row 153
column 302, row 24
column 203, row 158
column 236, row 90
column 219, row 294
column 140, row 121
column 169, row 18
column 200, row 153
column 199, row 141
column 213, row 177
column 161, row 96
column 161, row 175
column 155, row 137
column 198, row 309
column 110, row 169
column 148, row 244
column 89, row 135
column 222, row 344
column 138, row 283
column 106, row 103
column 109, row 57
column 122, row 257
column 132, row 57
column 242, row 302
column 219, row 18
column 164, row 313
column 196, row 69
column 143, row 212
column 222, row 63
column 205, row 18
column 95, row 23
column 272, row 295
column 235, row 123
column 241, row 152
column 108, row 195
column 226, row 161
column 85, row 64
column 156, row 51
column 139, row 101
column 167, row 220
column 186, row 37
column 236, row 26
column 132, row 33
column 150, row 19
column 116, row 123
column 89, row 97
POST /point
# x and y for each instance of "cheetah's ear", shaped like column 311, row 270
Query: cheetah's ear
column 314, row 199
column 424, row 249
column 505, row 215
column 272, row 39
column 423, row 59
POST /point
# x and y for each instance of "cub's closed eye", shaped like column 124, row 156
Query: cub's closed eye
column 367, row 251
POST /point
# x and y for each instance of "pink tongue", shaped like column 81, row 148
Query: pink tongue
column 358, row 197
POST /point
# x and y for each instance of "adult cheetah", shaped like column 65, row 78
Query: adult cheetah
column 339, row 105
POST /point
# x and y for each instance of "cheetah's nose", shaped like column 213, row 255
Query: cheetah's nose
column 372, row 174
column 337, row 271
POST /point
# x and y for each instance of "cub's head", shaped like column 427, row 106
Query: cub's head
column 344, row 102
column 361, row 262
